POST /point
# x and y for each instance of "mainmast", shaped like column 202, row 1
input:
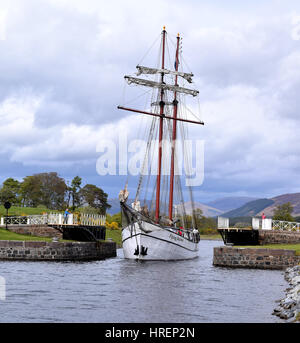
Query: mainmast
column 174, row 133
column 161, row 122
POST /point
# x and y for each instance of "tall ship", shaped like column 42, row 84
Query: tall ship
column 155, row 222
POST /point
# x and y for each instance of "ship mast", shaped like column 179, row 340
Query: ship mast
column 163, row 88
column 161, row 122
column 174, row 133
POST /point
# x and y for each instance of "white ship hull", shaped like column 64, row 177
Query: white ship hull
column 153, row 242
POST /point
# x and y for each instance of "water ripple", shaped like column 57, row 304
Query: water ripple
column 118, row 290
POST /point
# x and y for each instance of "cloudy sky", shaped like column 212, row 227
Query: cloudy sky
column 62, row 64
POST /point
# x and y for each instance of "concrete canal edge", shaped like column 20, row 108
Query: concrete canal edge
column 259, row 258
column 56, row 251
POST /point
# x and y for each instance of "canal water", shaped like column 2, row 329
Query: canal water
column 123, row 291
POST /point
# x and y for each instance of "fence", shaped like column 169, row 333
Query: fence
column 264, row 224
column 287, row 226
column 55, row 219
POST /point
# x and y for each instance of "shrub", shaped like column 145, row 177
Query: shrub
column 112, row 225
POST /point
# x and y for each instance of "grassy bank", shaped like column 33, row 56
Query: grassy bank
column 24, row 211
column 295, row 247
column 115, row 235
column 6, row 235
column 216, row 237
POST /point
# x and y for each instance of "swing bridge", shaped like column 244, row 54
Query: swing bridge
column 263, row 224
column 81, row 227
column 250, row 235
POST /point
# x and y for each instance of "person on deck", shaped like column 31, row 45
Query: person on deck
column 196, row 235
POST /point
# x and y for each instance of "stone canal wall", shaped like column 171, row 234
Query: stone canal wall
column 56, row 251
column 35, row 230
column 278, row 237
column 259, row 258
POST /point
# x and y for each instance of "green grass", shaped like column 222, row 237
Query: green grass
column 25, row 211
column 211, row 237
column 12, row 236
column 115, row 235
column 6, row 235
column 295, row 247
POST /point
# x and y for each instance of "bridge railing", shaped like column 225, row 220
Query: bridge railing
column 264, row 224
column 89, row 219
column 55, row 219
column 286, row 226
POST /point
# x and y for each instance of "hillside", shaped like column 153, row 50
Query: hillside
column 237, row 206
column 293, row 198
column 208, row 211
column 266, row 206
column 250, row 209
column 229, row 203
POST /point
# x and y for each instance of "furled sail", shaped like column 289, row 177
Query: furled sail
column 154, row 84
column 147, row 70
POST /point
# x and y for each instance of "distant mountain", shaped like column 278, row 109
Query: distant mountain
column 229, row 203
column 207, row 211
column 250, row 209
column 293, row 198
column 243, row 209
column 266, row 206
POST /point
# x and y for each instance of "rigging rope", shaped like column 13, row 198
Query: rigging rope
column 151, row 145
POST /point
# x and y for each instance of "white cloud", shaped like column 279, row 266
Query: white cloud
column 62, row 68
column 3, row 15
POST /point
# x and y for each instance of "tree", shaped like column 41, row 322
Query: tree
column 30, row 191
column 75, row 192
column 284, row 212
column 95, row 197
column 205, row 225
column 10, row 191
column 46, row 189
